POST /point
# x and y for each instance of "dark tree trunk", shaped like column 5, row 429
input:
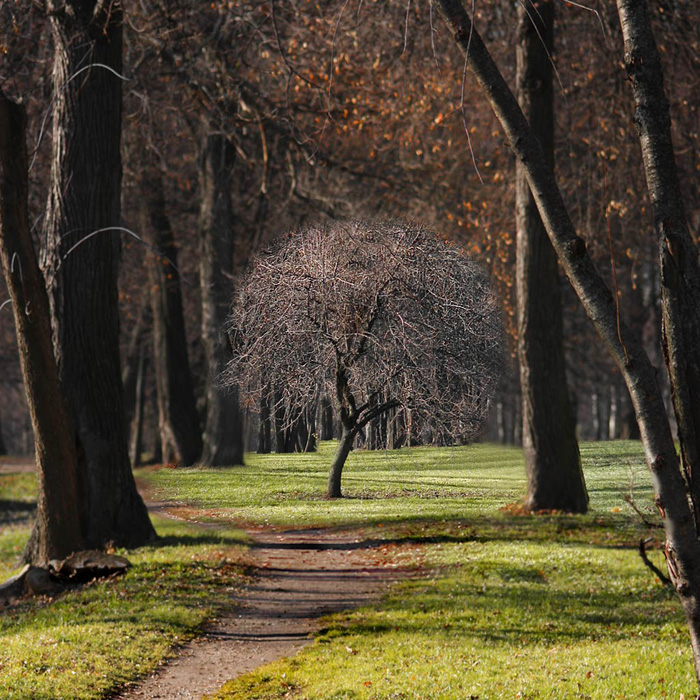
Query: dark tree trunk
column 3, row 449
column 223, row 432
column 680, row 280
column 327, row 429
column 552, row 460
column 682, row 544
column 57, row 530
column 283, row 443
column 178, row 421
column 131, row 362
column 136, row 431
column 334, row 477
column 81, row 263
column 265, row 429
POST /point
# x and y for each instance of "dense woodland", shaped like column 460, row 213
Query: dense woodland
column 334, row 111
column 169, row 144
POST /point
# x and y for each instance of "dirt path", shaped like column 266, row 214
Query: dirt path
column 300, row 577
column 297, row 578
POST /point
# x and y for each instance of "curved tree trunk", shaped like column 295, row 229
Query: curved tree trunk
column 339, row 459
column 552, row 459
column 223, row 432
column 57, row 529
column 680, row 281
column 180, row 432
column 682, row 544
column 81, row 257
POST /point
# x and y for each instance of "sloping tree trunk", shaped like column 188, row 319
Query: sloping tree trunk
column 223, row 432
column 178, row 421
column 682, row 544
column 81, row 257
column 680, row 280
column 57, row 529
column 552, row 459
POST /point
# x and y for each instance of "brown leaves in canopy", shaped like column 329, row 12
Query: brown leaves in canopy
column 377, row 315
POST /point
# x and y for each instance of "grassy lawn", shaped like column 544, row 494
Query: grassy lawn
column 390, row 486
column 88, row 642
column 513, row 606
column 508, row 606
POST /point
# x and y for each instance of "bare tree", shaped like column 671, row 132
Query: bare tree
column 379, row 315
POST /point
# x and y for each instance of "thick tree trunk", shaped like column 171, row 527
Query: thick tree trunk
column 57, row 530
column 223, row 432
column 3, row 449
column 553, row 463
column 81, row 256
column 682, row 545
column 180, row 432
column 334, row 477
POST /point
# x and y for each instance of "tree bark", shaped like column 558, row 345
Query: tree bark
column 136, row 431
column 178, row 421
column 552, row 459
column 265, row 428
column 223, row 432
column 334, row 477
column 682, row 545
column 680, row 279
column 57, row 528
column 81, row 256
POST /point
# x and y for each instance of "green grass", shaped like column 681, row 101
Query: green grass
column 513, row 606
column 506, row 605
column 419, row 483
column 88, row 642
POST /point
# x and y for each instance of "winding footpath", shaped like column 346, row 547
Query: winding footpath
column 299, row 577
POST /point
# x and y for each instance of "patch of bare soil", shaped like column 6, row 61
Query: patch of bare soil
column 297, row 578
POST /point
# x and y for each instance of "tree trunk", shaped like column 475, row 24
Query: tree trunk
column 81, row 255
column 131, row 361
column 327, row 431
column 57, row 530
column 136, row 432
column 180, row 433
column 680, row 280
column 344, row 448
column 682, row 545
column 265, row 429
column 552, row 459
column 223, row 432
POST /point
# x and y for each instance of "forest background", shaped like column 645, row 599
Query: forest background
column 356, row 110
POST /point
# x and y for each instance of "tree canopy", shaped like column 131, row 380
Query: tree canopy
column 381, row 316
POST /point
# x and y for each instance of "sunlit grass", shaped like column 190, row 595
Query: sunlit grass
column 508, row 619
column 382, row 486
column 88, row 642
column 505, row 605
column 508, row 606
